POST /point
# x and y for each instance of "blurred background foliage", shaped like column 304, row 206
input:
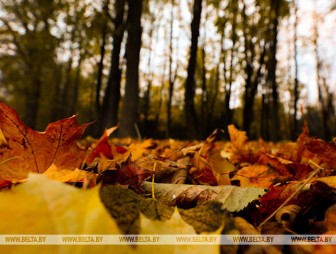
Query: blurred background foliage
column 171, row 68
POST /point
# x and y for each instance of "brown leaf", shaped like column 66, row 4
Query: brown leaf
column 325, row 151
column 232, row 198
column 201, row 171
column 36, row 151
column 207, row 217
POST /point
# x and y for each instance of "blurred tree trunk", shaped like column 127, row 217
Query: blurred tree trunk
column 319, row 80
column 171, row 78
column 228, row 114
column 108, row 115
column 252, row 77
column 147, row 100
column 130, row 103
column 99, row 78
column 205, row 96
column 214, row 93
column 189, row 105
column 295, row 131
column 271, row 68
column 76, row 83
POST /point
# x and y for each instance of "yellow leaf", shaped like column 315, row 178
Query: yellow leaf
column 42, row 206
column 65, row 175
column 221, row 168
column 174, row 226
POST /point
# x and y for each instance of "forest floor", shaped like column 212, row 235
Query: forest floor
column 55, row 183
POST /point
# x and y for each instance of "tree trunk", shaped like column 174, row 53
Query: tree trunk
column 170, row 72
column 228, row 87
column 99, row 78
column 253, row 74
column 189, row 105
column 32, row 101
column 319, row 80
column 76, row 83
column 130, row 103
column 108, row 115
column 149, row 74
column 272, row 64
column 296, row 80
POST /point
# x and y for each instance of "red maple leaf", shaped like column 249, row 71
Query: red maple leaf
column 27, row 150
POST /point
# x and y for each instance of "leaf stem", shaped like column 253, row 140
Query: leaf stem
column 153, row 191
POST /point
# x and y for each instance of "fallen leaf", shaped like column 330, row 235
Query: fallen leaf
column 128, row 173
column 201, row 171
column 174, row 226
column 124, row 206
column 156, row 210
column 42, row 206
column 277, row 195
column 207, row 217
column 232, row 198
column 65, row 175
column 221, row 168
column 139, row 150
column 325, row 151
column 256, row 176
column 330, row 181
column 103, row 147
column 286, row 168
column 237, row 137
column 36, row 151
column 287, row 215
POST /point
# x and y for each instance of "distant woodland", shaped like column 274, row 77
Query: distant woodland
column 168, row 68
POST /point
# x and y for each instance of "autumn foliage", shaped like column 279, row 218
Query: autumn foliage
column 249, row 187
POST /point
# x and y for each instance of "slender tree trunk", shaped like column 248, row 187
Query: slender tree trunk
column 190, row 112
column 99, row 78
column 76, row 85
column 319, row 80
column 228, row 87
column 33, row 101
column 214, row 95
column 272, row 65
column 108, row 115
column 204, row 101
column 170, row 71
column 249, row 54
column 149, row 75
column 130, row 103
column 296, row 80
column 162, row 88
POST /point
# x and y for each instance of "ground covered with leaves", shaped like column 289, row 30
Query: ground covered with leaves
column 55, row 182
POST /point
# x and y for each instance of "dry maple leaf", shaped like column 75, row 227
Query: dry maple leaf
column 103, row 147
column 30, row 151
